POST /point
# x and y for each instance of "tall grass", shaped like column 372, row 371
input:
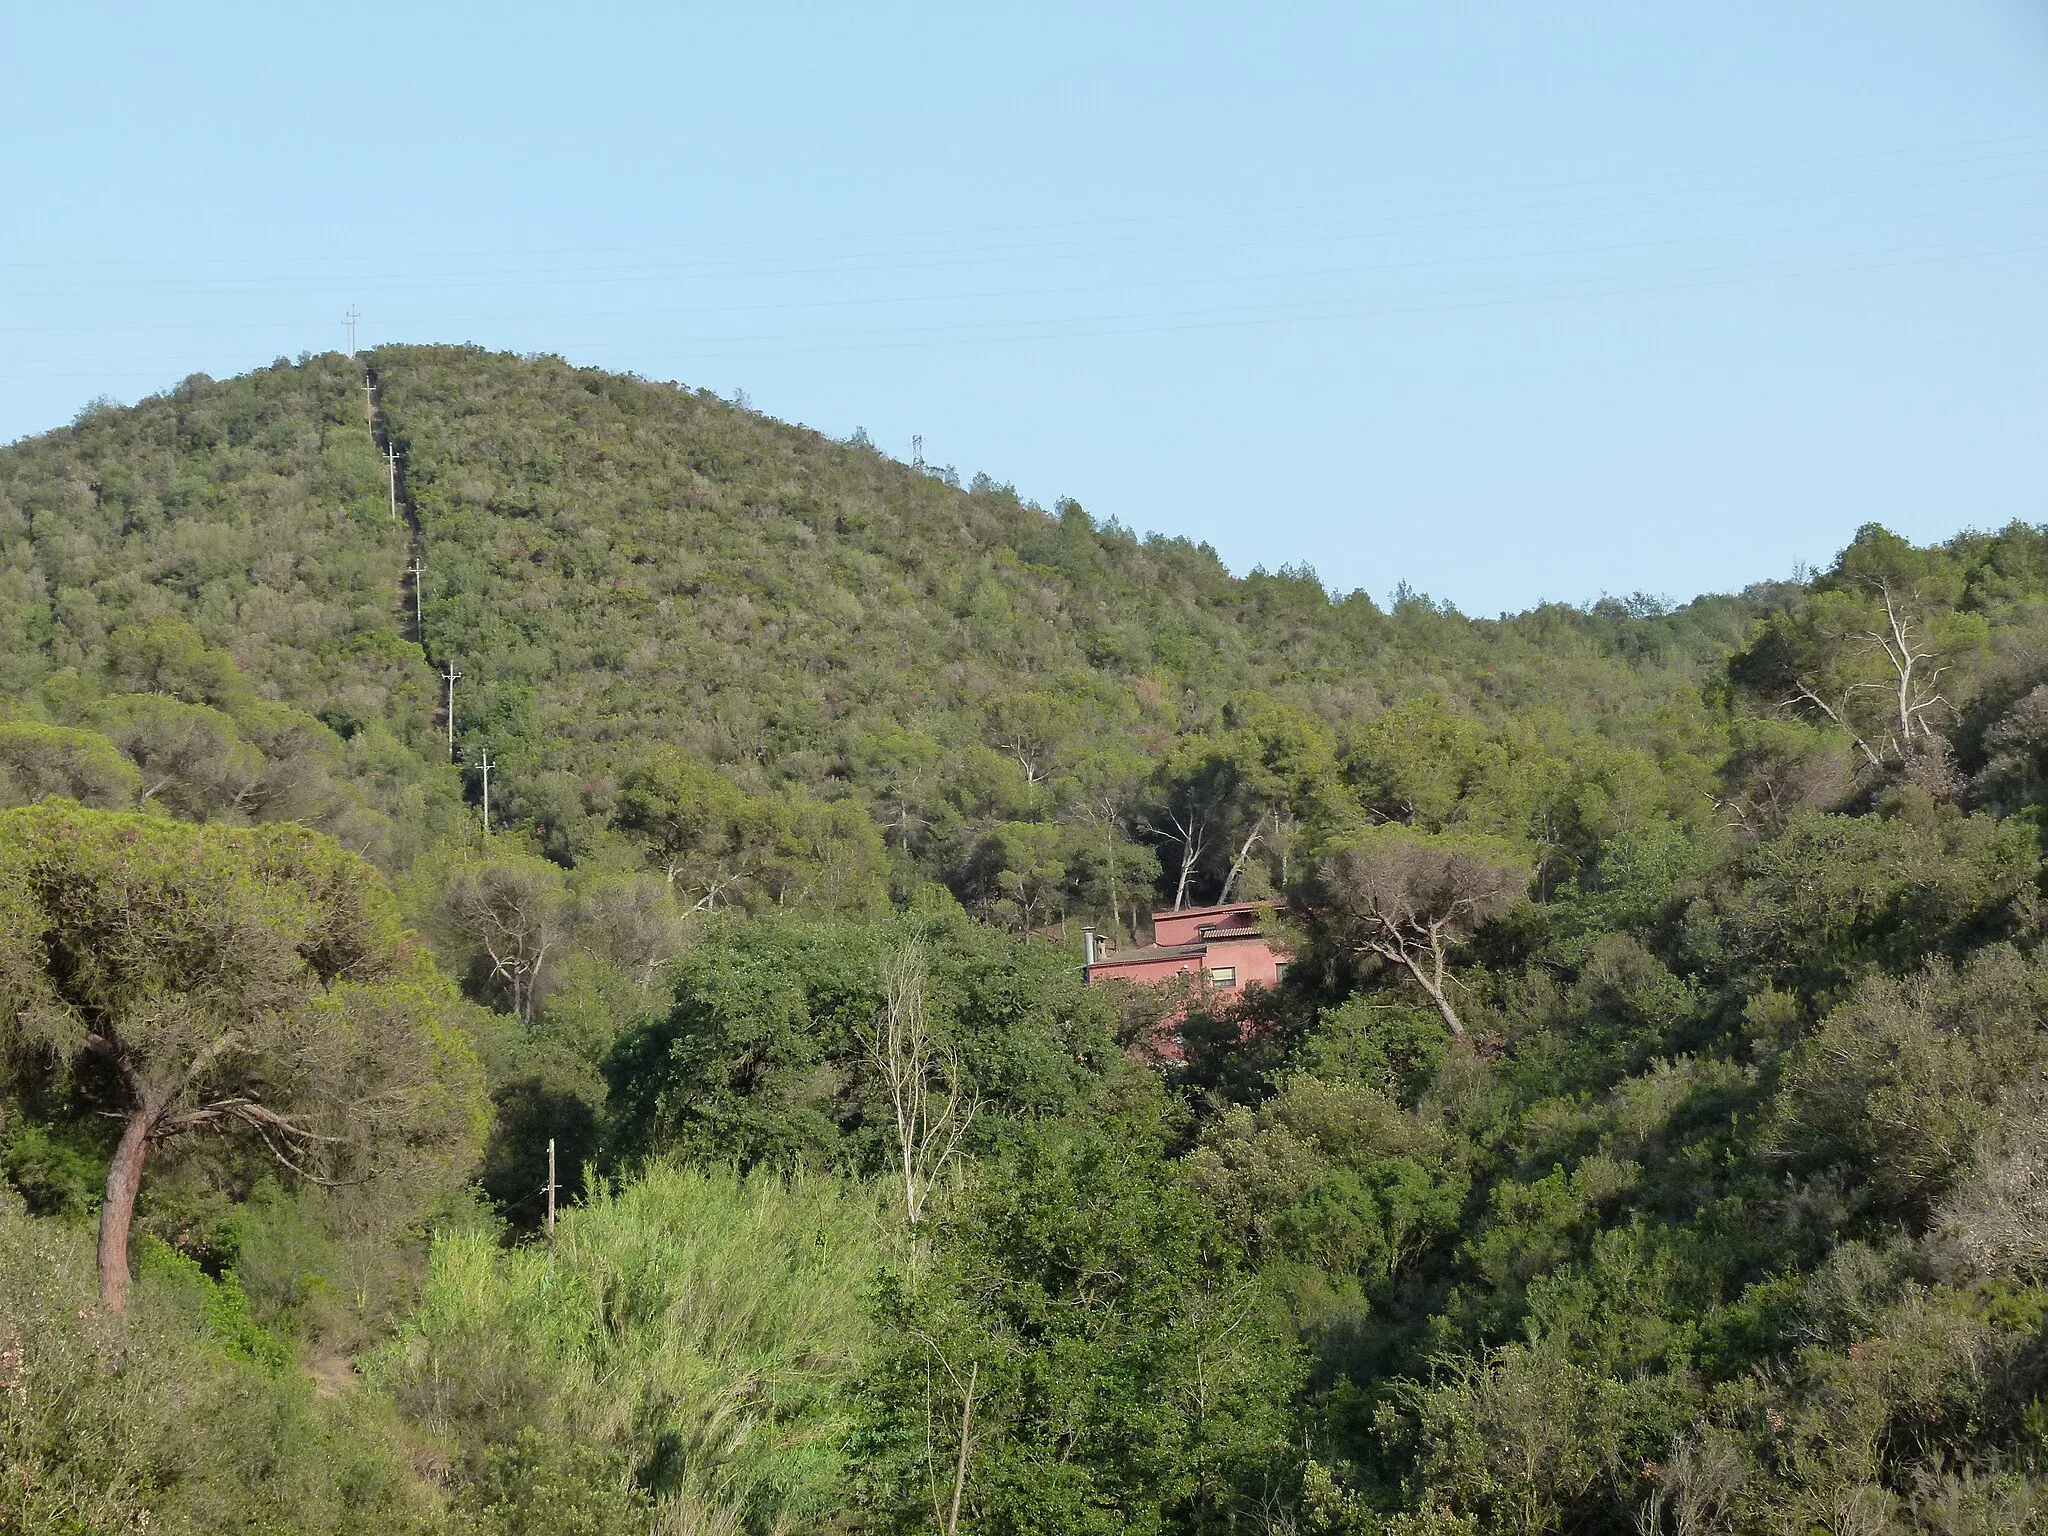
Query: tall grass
column 698, row 1324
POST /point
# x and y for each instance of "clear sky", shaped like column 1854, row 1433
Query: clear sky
column 1510, row 302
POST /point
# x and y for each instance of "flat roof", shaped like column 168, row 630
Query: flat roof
column 1229, row 906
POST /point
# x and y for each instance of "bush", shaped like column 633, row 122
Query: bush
column 184, row 1416
column 691, row 1331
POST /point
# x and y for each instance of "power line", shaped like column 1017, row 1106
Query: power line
column 1265, row 235
column 1081, row 326
column 1148, row 283
column 1720, row 173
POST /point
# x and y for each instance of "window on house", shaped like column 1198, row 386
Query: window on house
column 1279, row 973
column 1223, row 975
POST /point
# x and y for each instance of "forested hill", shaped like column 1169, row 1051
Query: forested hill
column 1647, row 1137
column 613, row 564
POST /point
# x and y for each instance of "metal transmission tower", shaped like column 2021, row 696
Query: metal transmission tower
column 348, row 328
column 449, row 676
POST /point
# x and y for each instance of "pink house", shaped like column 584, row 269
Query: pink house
column 1228, row 946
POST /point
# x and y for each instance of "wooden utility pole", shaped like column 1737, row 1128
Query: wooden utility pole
column 549, row 1195
column 486, row 765
column 369, row 400
column 419, row 613
column 449, row 675
column 391, row 462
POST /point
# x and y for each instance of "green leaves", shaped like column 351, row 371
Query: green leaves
column 1878, row 650
column 1835, row 893
column 720, row 847
column 253, row 982
column 1127, row 1376
column 680, row 1350
column 167, row 656
column 762, row 1057
column 39, row 762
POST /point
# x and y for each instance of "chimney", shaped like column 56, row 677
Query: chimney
column 1088, row 939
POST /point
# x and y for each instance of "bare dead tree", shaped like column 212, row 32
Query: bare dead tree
column 1803, row 693
column 1103, row 810
column 1188, row 830
column 1915, row 680
column 1251, row 841
column 514, row 913
column 1695, row 1490
column 1913, row 687
column 636, row 923
column 927, row 1088
column 1026, row 751
column 966, row 1446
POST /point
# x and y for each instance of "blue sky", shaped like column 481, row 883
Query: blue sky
column 1509, row 302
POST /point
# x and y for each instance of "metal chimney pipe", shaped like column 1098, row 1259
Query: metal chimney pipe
column 1088, row 938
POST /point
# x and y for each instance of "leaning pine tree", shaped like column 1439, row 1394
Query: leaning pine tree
column 250, row 982
column 1406, row 899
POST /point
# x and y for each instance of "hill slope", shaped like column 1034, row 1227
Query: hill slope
column 1646, row 1137
column 615, row 565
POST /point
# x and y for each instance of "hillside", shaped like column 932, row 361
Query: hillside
column 614, row 564
column 1645, row 1138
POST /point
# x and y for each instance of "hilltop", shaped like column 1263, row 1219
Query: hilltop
column 616, row 565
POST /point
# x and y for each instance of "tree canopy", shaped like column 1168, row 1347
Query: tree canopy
column 204, row 980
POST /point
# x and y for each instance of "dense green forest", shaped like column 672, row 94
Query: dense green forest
column 1648, row 1136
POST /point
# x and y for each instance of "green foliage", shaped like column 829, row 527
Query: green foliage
column 637, row 574
column 765, row 1055
column 57, row 1169
column 179, row 1417
column 168, row 657
column 1647, row 1136
column 688, row 1333
column 1127, row 1376
column 215, row 980
column 1836, row 893
column 1393, row 1048
column 40, row 761
column 222, row 1304
column 1897, row 1086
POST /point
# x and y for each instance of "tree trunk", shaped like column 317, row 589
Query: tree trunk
column 1438, row 994
column 124, row 1180
column 1237, row 864
column 966, row 1442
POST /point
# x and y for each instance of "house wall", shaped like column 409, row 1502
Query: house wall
column 1254, row 959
